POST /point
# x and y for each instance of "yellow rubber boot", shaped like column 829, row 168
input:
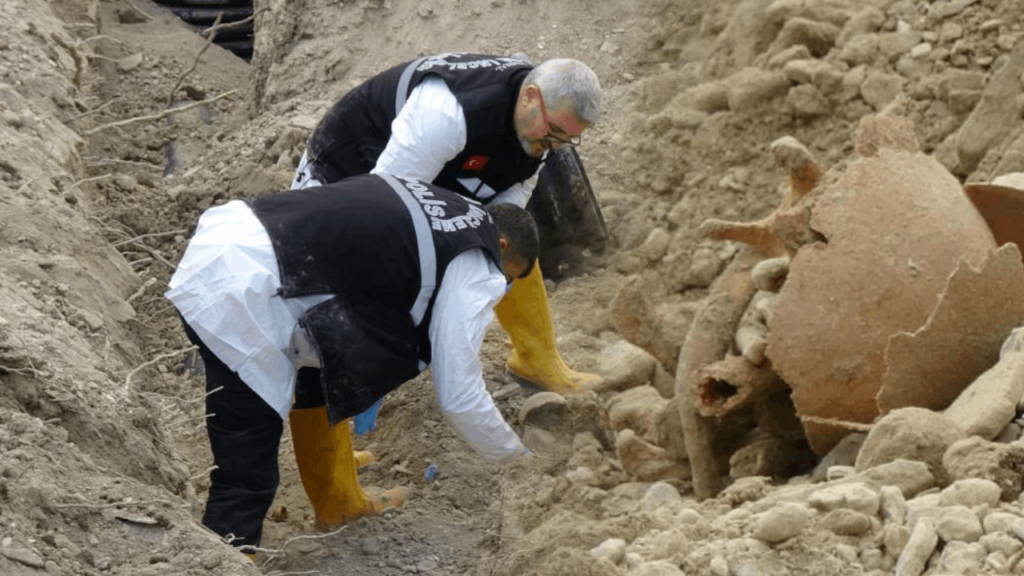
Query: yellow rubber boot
column 526, row 315
column 327, row 467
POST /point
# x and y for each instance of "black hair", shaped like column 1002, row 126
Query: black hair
column 519, row 228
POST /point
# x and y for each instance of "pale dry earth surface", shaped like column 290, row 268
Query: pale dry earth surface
column 103, row 457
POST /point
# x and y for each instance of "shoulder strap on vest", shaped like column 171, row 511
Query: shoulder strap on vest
column 425, row 242
column 403, row 84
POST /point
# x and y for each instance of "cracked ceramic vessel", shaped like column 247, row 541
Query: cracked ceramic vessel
column 895, row 225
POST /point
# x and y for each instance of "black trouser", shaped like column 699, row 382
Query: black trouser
column 245, row 434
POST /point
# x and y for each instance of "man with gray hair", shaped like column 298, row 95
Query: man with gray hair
column 478, row 125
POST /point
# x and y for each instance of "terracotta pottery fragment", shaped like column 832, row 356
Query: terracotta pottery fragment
column 895, row 225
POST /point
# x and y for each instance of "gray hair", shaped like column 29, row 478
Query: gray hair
column 569, row 82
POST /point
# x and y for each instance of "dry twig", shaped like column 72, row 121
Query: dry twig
column 96, row 109
column 158, row 116
column 93, row 179
column 153, row 235
column 142, row 290
column 128, row 378
column 274, row 552
column 231, row 25
column 124, row 503
column 855, row 426
column 195, row 477
column 195, row 61
column 153, row 252
column 112, row 161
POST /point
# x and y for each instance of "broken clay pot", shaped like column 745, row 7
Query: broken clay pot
column 896, row 224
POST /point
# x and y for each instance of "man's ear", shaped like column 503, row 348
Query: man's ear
column 531, row 93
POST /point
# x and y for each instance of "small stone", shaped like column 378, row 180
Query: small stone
column 23, row 555
column 962, row 557
column 970, row 492
column 958, row 523
column 1001, row 542
column 846, row 522
column 612, row 549
column 999, row 522
column 782, row 522
column 659, row 495
column 719, row 566
column 919, row 548
column 892, row 504
column 837, row 472
column 855, row 496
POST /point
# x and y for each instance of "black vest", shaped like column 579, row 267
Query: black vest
column 381, row 245
column 354, row 132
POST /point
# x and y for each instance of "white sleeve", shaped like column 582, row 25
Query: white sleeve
column 520, row 192
column 428, row 132
column 472, row 285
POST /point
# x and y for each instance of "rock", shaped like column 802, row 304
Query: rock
column 656, row 568
column 958, row 523
column 807, row 102
column 719, row 566
column 1001, row 542
column 999, row 522
column 868, row 21
column 129, row 63
column 645, row 461
column 892, row 505
column 895, row 538
column 784, row 57
column 912, row 434
column 845, row 522
column 971, row 492
column 770, row 274
column 919, row 548
column 658, row 495
column 892, row 45
column 843, row 454
column 636, row 409
column 753, row 86
column 622, row 366
column 879, row 89
column 977, row 458
column 989, row 403
column 23, row 555
column 612, row 549
column 853, row 496
column 782, row 522
column 688, row 517
column 641, row 325
column 839, row 472
column 669, row 544
column 962, row 557
column 545, row 410
column 818, row 37
column 992, row 121
column 656, row 245
column 860, row 50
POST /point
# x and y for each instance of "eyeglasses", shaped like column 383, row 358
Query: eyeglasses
column 552, row 139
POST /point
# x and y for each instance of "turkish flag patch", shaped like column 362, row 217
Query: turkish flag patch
column 475, row 163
